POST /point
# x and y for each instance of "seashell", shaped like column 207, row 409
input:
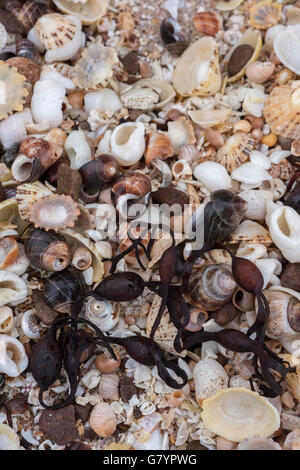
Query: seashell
column 284, row 170
column 9, row 439
column 89, row 12
column 106, row 364
column 105, row 100
column 6, row 319
column 12, row 90
column 212, row 286
column 9, row 214
column 285, row 47
column 235, row 151
column 47, row 250
column 102, row 314
column 258, row 443
column 250, row 232
column 293, row 16
column 207, row 23
column 11, row 24
column 158, row 147
column 171, row 32
column 290, row 276
column 55, row 212
column 164, row 90
column 161, row 175
column 284, row 312
column 224, row 444
column 210, row 377
column 245, row 51
column 28, row 194
column 254, row 102
column 182, row 434
column 128, row 143
column 259, row 72
column 46, row 102
column 257, row 203
column 292, row 440
column 265, row 14
column 78, row 149
column 63, row 45
column 99, row 172
column 95, row 68
column 238, row 413
column 206, row 118
column 284, row 227
column 8, row 252
column 13, row 359
column 62, row 289
column 181, row 132
column 103, row 420
column 227, row 5
column 212, row 175
column 109, row 387
column 197, row 70
column 125, row 243
column 30, row 326
column 13, row 129
column 13, row 289
column 82, row 258
column 252, row 251
column 154, row 442
column 134, row 187
column 250, row 174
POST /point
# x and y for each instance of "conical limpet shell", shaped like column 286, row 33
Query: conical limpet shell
column 265, row 14
column 55, row 212
column 245, row 51
column 12, row 90
column 197, row 71
column 238, row 413
column 235, row 151
column 89, row 11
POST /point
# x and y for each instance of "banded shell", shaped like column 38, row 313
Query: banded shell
column 286, row 47
column 89, row 11
column 147, row 94
column 95, row 67
column 12, row 90
column 227, row 5
column 235, row 151
column 207, row 23
column 265, row 14
column 102, row 314
column 103, row 420
column 245, row 51
column 55, row 212
column 197, row 71
column 282, row 110
column 238, row 413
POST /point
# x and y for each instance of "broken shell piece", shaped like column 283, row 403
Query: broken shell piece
column 285, row 47
column 265, row 14
column 250, row 173
column 246, row 50
column 12, row 90
column 257, row 203
column 254, row 102
column 238, row 413
column 258, row 443
column 13, row 289
column 55, row 212
column 6, row 319
column 282, row 110
column 210, row 377
column 78, row 149
column 128, row 143
column 13, row 359
column 212, row 175
column 197, row 71
column 235, row 151
column 9, row 439
column 259, row 72
column 181, row 132
column 47, row 101
column 181, row 169
column 227, row 5
column 250, row 232
column 30, row 325
column 88, row 11
column 147, row 94
column 60, row 35
column 101, row 313
column 8, row 252
column 158, row 147
column 206, row 118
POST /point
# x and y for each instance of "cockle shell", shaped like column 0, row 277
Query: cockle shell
column 13, row 358
column 265, row 14
column 251, row 38
column 6, row 319
column 13, row 289
column 128, row 143
column 102, row 314
column 147, row 94
column 282, row 110
column 238, row 413
column 55, row 212
column 285, row 47
column 209, row 377
column 109, row 387
column 235, row 151
column 12, row 90
column 197, row 71
column 103, row 420
column 207, row 22
column 206, row 118
column 89, row 11
column 61, row 36
column 250, row 232
column 9, row 439
column 258, row 443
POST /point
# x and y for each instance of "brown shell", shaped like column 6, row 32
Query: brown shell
column 265, row 14
column 8, row 252
column 284, row 170
column 55, row 212
column 26, row 49
column 207, row 23
column 11, row 23
column 134, row 183
column 235, row 151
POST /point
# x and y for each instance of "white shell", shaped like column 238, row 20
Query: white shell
column 46, row 102
column 154, row 442
column 181, row 169
column 6, row 319
column 3, row 36
column 13, row 358
column 105, row 100
column 9, row 439
column 212, row 175
column 257, row 203
column 269, row 269
column 286, row 45
column 128, row 143
column 271, row 34
column 13, row 289
column 252, row 251
column 78, row 149
column 250, row 232
column 260, row 159
column 29, row 325
column 284, row 227
column 250, row 173
column 209, row 377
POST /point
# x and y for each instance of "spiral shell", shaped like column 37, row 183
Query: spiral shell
column 82, row 258
column 30, row 326
column 103, row 420
column 134, row 187
column 62, row 289
column 284, row 318
column 96, row 173
column 29, row 13
column 265, row 14
column 55, row 212
column 12, row 90
column 258, row 443
column 235, row 151
column 109, row 387
column 207, row 23
column 13, row 289
column 89, row 11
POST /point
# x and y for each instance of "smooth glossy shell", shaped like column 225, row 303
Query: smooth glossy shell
column 265, row 14
column 62, row 289
column 235, row 151
column 237, row 63
column 89, row 11
column 238, row 413
column 12, row 90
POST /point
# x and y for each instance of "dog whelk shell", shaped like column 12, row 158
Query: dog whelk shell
column 12, row 90
column 285, row 47
column 88, row 11
column 103, row 420
column 197, row 71
column 212, row 175
column 128, row 143
column 9, row 439
column 265, row 14
column 6, row 319
column 258, row 443
column 13, row 289
column 13, row 359
column 245, row 51
column 238, row 413
column 235, row 151
column 209, row 377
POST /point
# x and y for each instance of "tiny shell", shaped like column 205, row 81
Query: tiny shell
column 30, row 326
column 106, row 364
column 147, row 94
column 103, row 420
column 13, row 358
column 101, row 313
column 27, row 194
column 8, row 252
column 89, row 11
column 254, row 102
column 13, row 289
column 235, row 151
column 265, row 14
column 257, row 203
column 158, row 146
column 210, row 377
column 238, row 413
column 128, row 143
column 227, row 5
column 250, row 173
column 181, row 132
column 82, row 258
column 78, row 149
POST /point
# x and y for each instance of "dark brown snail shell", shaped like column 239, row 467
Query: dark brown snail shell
column 133, row 192
column 62, row 289
column 222, row 215
column 11, row 23
column 47, row 250
column 99, row 172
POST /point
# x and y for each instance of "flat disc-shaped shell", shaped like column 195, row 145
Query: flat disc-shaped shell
column 235, row 151
column 265, row 14
column 206, row 118
column 286, row 47
column 282, row 110
column 227, row 5
column 238, row 413
column 12, row 90
column 197, row 71
column 251, row 38
column 89, row 12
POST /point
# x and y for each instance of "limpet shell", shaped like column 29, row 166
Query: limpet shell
column 206, row 118
column 12, row 90
column 226, row 5
column 235, row 151
column 89, row 11
column 55, row 212
column 265, row 14
column 238, row 413
column 197, row 71
column 237, row 63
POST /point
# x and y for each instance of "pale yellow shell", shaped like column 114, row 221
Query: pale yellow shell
column 12, row 90
column 235, row 151
column 9, row 214
column 265, row 14
column 55, row 30
column 89, row 12
column 252, row 38
column 9, row 440
column 103, row 420
column 282, row 110
column 238, row 413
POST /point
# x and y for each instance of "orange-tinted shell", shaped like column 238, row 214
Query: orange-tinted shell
column 207, row 22
column 55, row 212
column 265, row 14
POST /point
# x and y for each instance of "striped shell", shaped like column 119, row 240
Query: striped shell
column 235, row 151
column 282, row 110
column 88, row 11
column 207, row 23
column 12, row 90
column 265, row 14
